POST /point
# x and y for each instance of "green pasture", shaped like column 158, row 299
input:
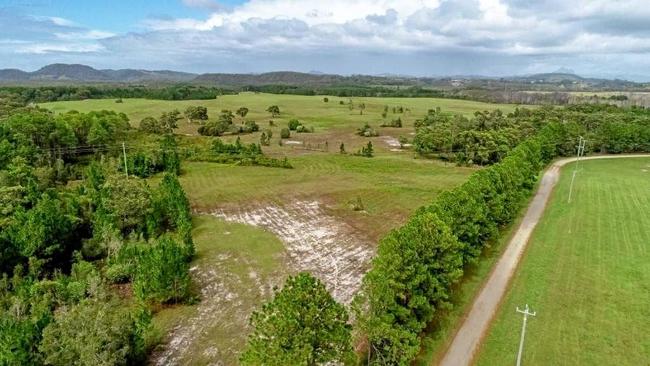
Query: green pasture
column 586, row 273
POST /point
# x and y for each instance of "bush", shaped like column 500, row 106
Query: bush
column 293, row 124
column 326, row 99
column 250, row 126
column 366, row 151
column 367, row 131
column 285, row 133
column 304, row 129
column 397, row 122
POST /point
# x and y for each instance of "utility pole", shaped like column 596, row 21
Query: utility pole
column 126, row 167
column 526, row 312
column 581, row 151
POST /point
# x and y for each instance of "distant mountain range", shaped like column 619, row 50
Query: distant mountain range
column 562, row 79
column 84, row 73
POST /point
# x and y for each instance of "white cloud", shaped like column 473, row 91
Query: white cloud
column 399, row 36
column 43, row 48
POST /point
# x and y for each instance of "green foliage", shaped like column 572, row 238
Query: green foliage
column 411, row 278
column 242, row 112
column 41, row 94
column 367, row 131
column 94, row 332
column 196, row 113
column 241, row 154
column 249, row 126
column 397, row 122
column 274, row 110
column 47, row 232
column 342, row 148
column 150, row 125
column 293, row 124
column 285, row 133
column 169, row 120
column 304, row 129
column 265, row 138
column 410, row 281
column 162, row 273
column 326, row 99
column 302, row 325
column 222, row 125
column 366, row 151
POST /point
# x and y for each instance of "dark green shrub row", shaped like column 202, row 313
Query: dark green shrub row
column 238, row 153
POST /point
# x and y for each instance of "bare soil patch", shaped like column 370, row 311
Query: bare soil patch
column 316, row 242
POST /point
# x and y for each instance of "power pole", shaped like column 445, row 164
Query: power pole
column 526, row 313
column 126, row 167
column 581, row 151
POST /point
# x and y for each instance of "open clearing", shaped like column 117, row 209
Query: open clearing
column 586, row 272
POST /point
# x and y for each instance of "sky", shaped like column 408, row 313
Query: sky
column 598, row 38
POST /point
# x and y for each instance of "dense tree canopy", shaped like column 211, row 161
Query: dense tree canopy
column 302, row 325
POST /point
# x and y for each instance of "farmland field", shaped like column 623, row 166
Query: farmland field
column 586, row 273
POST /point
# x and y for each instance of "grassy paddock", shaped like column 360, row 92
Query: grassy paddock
column 586, row 273
column 390, row 186
column 333, row 122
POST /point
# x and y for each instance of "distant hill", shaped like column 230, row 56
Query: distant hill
column 13, row 74
column 278, row 77
column 561, row 80
column 84, row 73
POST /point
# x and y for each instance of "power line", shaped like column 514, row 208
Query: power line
column 526, row 313
column 581, row 150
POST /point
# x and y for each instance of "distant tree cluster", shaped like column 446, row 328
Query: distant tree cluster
column 489, row 136
column 43, row 94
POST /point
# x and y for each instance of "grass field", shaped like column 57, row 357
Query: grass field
column 333, row 123
column 586, row 272
column 390, row 186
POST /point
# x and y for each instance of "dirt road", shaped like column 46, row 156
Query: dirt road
column 467, row 340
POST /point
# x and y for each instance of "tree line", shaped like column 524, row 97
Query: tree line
column 42, row 94
column 487, row 137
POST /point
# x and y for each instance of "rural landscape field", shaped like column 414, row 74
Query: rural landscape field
column 279, row 183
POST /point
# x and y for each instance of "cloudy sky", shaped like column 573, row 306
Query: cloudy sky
column 606, row 38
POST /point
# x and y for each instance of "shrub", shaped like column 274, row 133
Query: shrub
column 397, row 122
column 250, row 126
column 293, row 124
column 285, row 133
column 366, row 151
column 367, row 131
column 326, row 99
column 304, row 129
